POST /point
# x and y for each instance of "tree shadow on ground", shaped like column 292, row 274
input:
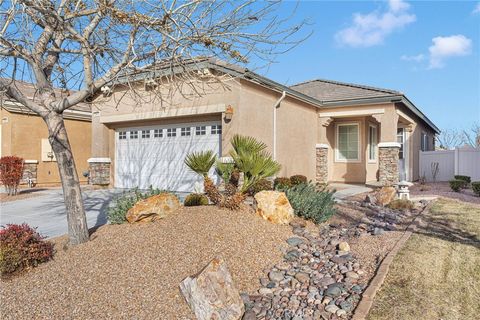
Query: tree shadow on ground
column 445, row 229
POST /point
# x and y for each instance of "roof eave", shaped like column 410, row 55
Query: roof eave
column 386, row 99
column 419, row 113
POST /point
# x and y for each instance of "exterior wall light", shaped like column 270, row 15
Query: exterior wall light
column 228, row 113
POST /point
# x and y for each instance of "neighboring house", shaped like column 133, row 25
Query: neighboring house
column 24, row 134
column 325, row 130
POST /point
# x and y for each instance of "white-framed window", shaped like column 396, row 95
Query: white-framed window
column 134, row 134
column 185, row 131
column 171, row 132
column 145, row 134
column 348, row 142
column 401, row 141
column 200, row 131
column 216, row 129
column 158, row 133
column 122, row 135
column 372, row 143
column 424, row 142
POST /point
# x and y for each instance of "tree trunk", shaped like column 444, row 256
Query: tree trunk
column 76, row 219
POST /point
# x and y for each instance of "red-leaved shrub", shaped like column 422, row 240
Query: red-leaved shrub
column 11, row 172
column 21, row 246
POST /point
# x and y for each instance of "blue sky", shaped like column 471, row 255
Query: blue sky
column 429, row 50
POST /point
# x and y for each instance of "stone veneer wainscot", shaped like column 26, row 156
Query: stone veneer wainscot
column 99, row 171
column 322, row 163
column 388, row 163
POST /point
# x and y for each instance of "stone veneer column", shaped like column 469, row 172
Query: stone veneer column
column 321, row 163
column 99, row 171
column 388, row 163
column 30, row 168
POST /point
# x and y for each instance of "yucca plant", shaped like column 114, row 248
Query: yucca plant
column 201, row 163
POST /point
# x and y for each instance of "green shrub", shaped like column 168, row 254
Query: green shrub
column 467, row 179
column 310, row 202
column 116, row 214
column 476, row 187
column 456, row 185
column 297, row 179
column 401, row 204
column 261, row 185
column 281, row 183
column 195, row 199
column 21, row 247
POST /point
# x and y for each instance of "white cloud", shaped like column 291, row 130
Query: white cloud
column 446, row 47
column 477, row 9
column 371, row 29
column 417, row 58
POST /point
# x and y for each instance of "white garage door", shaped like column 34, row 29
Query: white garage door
column 154, row 155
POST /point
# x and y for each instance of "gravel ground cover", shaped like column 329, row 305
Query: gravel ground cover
column 133, row 271
column 443, row 189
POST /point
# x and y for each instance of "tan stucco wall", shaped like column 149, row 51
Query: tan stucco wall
column 22, row 135
column 296, row 127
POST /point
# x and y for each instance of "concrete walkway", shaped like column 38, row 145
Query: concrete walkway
column 348, row 190
column 47, row 212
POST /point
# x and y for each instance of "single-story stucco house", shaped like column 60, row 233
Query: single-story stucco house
column 326, row 130
column 24, row 134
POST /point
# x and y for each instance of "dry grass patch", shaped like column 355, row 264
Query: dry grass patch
column 437, row 274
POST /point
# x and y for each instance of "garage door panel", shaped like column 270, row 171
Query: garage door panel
column 159, row 161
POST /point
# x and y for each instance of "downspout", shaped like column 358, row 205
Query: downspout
column 275, row 107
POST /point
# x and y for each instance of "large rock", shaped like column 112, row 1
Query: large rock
column 385, row 195
column 274, row 207
column 153, row 208
column 211, row 294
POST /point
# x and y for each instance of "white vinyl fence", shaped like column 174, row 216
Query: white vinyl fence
column 450, row 163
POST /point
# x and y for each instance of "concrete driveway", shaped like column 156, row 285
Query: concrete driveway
column 47, row 212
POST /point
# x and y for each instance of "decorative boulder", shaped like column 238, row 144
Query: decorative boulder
column 274, row 207
column 153, row 208
column 211, row 294
column 385, row 195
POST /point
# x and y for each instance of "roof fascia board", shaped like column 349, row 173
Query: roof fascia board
column 419, row 114
column 353, row 102
column 15, row 107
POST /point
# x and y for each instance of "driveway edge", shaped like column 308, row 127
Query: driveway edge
column 365, row 304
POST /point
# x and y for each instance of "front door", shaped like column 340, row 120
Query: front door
column 401, row 154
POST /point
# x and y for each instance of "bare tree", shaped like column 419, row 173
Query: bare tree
column 448, row 139
column 472, row 137
column 85, row 44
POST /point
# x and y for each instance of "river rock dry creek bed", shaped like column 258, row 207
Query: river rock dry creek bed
column 325, row 271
